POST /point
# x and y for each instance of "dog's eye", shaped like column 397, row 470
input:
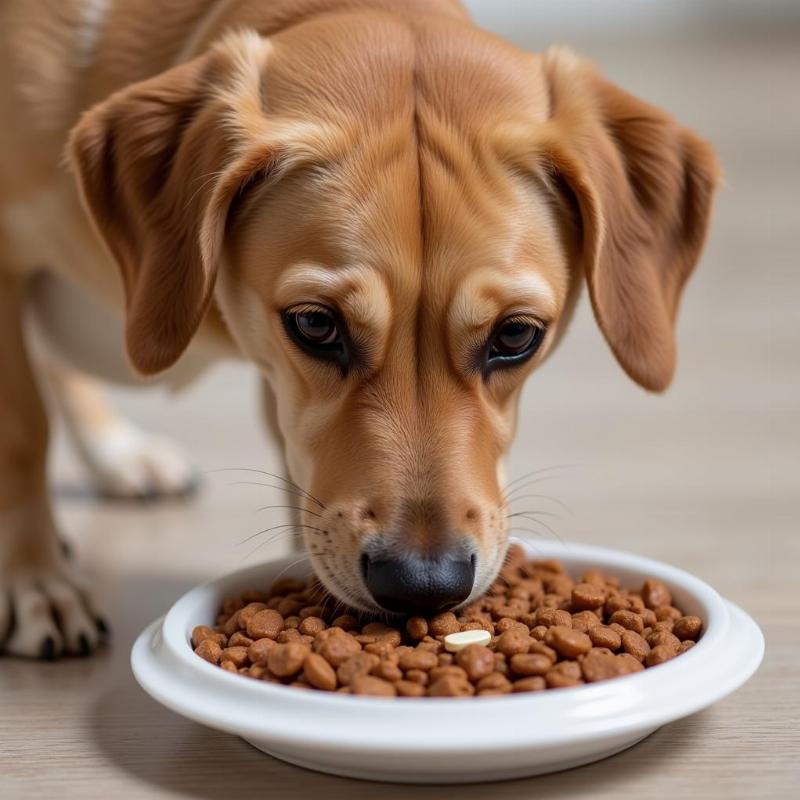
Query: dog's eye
column 316, row 330
column 514, row 340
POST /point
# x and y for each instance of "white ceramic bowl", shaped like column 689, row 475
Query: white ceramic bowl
column 452, row 740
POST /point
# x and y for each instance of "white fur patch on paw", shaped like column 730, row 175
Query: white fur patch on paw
column 124, row 461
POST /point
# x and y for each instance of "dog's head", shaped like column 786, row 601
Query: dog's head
column 395, row 226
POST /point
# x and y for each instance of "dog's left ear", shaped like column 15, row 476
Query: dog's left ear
column 643, row 186
column 159, row 165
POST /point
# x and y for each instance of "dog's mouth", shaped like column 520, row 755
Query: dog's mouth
column 406, row 585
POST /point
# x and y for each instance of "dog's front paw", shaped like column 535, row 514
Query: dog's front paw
column 126, row 462
column 46, row 609
column 46, row 614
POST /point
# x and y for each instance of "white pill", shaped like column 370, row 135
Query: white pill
column 454, row 642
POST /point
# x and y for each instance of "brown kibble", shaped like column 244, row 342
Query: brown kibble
column 530, row 664
column 629, row 620
column 446, row 672
column 417, row 676
column 630, row 663
column 371, row 686
column 417, row 627
column 357, row 664
column 418, row 659
column 553, row 616
column 664, row 613
column 319, row 673
column 408, row 688
column 289, row 635
column 602, row 666
column 584, row 621
column 659, row 654
column 634, row 644
column 346, row 622
column 567, row 642
column 382, row 649
column 541, row 647
column 289, row 608
column 660, row 636
column 495, row 682
column 538, row 632
column 209, row 651
column 239, row 640
column 655, row 594
column 259, row 650
column 230, row 605
column 603, row 636
column 687, row 628
column 311, row 626
column 337, row 649
column 686, row 645
column 203, row 632
column 266, row 623
column 236, row 654
column 285, row 660
column 588, row 596
column 450, row 686
column 388, row 671
column 228, row 666
column 535, row 683
column 513, row 641
column 442, row 624
column 476, row 660
column 286, row 585
column 564, row 674
column 248, row 612
column 506, row 624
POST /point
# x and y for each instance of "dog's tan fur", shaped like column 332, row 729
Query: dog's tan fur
column 385, row 158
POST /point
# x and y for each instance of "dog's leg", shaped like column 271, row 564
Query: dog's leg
column 122, row 460
column 44, row 608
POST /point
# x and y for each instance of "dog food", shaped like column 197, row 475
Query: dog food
column 536, row 628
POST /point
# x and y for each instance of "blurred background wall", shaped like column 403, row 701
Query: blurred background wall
column 717, row 453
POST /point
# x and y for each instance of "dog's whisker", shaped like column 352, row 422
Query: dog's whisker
column 507, row 498
column 508, row 485
column 276, row 527
column 268, row 486
column 544, row 525
column 541, row 497
column 276, row 477
column 293, row 508
column 534, row 514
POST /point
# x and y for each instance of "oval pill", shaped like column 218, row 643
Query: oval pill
column 454, row 642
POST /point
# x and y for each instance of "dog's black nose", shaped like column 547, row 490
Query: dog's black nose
column 416, row 584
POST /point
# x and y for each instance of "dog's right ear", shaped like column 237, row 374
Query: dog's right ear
column 159, row 164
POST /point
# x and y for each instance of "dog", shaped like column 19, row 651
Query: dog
column 389, row 211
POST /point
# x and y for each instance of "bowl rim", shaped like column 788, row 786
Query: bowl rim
column 165, row 665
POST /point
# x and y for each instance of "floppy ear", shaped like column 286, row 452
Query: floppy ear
column 643, row 186
column 159, row 165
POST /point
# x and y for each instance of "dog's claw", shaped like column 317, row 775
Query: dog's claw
column 102, row 627
column 84, row 647
column 47, row 651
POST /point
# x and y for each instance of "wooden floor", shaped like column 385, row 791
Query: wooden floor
column 705, row 478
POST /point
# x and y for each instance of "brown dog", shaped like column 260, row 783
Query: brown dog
column 386, row 209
